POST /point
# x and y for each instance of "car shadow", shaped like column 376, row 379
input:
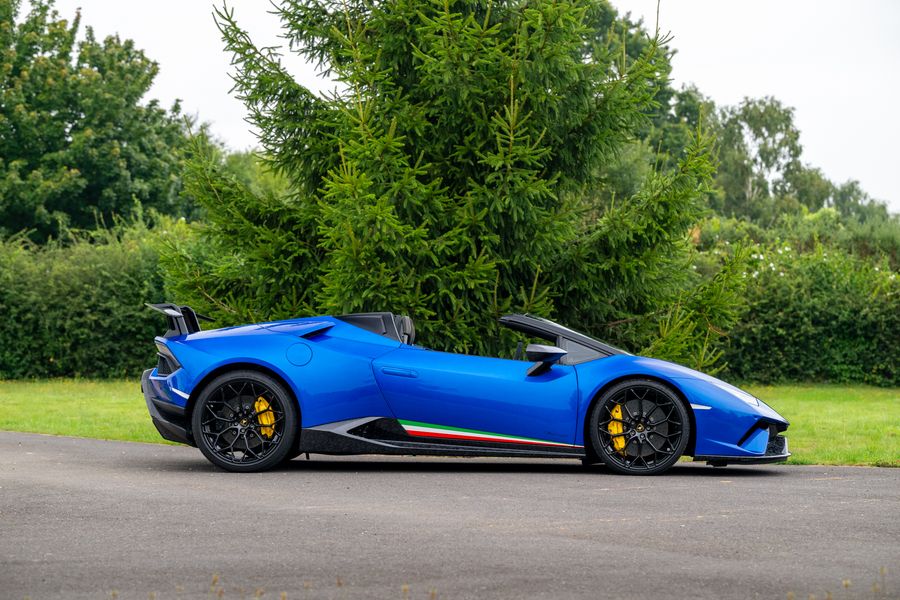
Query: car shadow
column 474, row 465
column 462, row 465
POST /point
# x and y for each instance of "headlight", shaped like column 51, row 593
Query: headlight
column 736, row 392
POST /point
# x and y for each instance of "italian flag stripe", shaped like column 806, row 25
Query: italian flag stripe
column 418, row 429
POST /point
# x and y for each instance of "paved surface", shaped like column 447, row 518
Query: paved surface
column 93, row 519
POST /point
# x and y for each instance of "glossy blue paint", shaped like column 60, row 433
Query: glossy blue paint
column 756, row 443
column 162, row 388
column 478, row 392
column 299, row 354
column 336, row 384
column 729, row 419
column 339, row 372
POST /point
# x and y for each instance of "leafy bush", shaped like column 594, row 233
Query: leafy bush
column 823, row 315
column 77, row 309
column 875, row 238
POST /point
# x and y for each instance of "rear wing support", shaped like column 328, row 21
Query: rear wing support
column 181, row 320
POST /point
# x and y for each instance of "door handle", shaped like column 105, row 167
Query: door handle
column 398, row 372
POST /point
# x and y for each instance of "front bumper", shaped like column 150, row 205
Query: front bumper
column 776, row 451
column 169, row 419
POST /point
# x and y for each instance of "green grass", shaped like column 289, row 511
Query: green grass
column 109, row 410
column 838, row 425
column 830, row 424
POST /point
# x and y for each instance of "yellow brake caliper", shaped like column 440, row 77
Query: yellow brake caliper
column 265, row 416
column 616, row 427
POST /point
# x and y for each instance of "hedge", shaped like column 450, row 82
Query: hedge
column 817, row 316
column 77, row 308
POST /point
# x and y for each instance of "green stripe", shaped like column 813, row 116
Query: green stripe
column 475, row 431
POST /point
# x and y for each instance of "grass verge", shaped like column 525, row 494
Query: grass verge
column 830, row 424
column 108, row 410
column 838, row 425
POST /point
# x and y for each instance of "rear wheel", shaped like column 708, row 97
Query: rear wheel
column 244, row 421
column 639, row 427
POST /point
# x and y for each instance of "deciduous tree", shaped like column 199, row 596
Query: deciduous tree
column 78, row 143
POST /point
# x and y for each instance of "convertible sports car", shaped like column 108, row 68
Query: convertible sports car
column 253, row 396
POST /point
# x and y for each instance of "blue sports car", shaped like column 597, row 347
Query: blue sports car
column 253, row 396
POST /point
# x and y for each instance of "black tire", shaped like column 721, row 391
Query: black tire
column 646, row 434
column 245, row 421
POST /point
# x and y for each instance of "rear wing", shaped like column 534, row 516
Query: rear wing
column 181, row 320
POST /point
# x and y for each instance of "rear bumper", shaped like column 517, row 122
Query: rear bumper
column 170, row 420
column 776, row 451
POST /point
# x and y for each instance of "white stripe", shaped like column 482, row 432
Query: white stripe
column 700, row 407
column 455, row 432
column 180, row 393
column 414, row 428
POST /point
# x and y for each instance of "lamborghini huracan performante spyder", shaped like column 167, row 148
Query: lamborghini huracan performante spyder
column 250, row 397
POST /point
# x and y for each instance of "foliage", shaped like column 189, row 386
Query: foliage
column 874, row 239
column 478, row 158
column 761, row 176
column 77, row 145
column 632, row 257
column 460, row 171
column 77, row 307
column 251, row 170
column 817, row 316
column 760, row 148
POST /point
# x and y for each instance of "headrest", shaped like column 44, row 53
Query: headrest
column 406, row 330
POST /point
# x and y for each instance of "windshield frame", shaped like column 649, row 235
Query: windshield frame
column 550, row 330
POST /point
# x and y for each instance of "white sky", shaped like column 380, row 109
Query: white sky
column 836, row 63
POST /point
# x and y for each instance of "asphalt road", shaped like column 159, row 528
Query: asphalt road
column 93, row 519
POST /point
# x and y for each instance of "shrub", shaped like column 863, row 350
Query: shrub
column 76, row 308
column 823, row 315
column 873, row 239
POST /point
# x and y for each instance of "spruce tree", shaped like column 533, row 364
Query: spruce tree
column 456, row 173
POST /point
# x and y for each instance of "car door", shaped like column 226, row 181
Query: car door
column 477, row 398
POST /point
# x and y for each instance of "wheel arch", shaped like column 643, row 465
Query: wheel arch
column 692, row 438
column 241, row 366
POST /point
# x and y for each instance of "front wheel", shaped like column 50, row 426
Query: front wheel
column 639, row 427
column 244, row 421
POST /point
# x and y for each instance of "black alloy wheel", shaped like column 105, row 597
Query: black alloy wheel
column 245, row 421
column 639, row 427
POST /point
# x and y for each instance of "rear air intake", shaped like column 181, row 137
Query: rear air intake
column 164, row 366
column 166, row 363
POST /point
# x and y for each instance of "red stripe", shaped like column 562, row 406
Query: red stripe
column 455, row 436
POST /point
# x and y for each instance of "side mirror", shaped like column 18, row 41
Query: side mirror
column 543, row 357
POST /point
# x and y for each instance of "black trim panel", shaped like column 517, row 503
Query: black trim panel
column 377, row 435
column 721, row 461
column 379, row 323
column 776, row 451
